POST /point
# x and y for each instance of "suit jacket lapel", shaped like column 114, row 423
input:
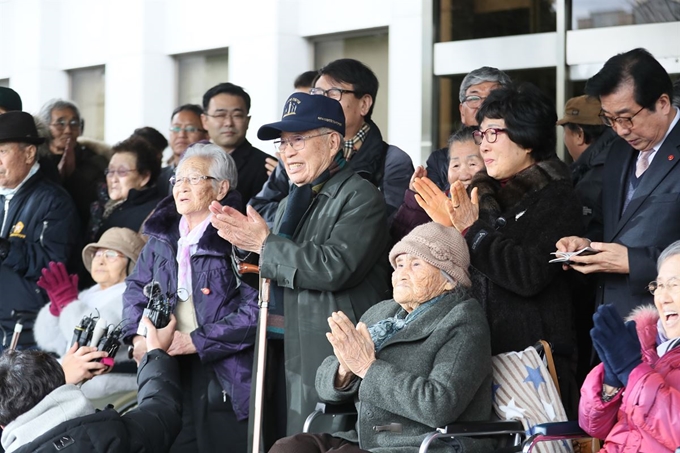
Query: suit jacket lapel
column 665, row 159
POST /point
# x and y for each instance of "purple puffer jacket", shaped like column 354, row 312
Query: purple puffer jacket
column 227, row 315
column 644, row 416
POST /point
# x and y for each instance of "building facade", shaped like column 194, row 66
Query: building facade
column 128, row 63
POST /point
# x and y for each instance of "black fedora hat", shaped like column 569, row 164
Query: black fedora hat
column 19, row 127
column 9, row 99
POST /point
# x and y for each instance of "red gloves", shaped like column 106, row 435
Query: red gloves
column 61, row 288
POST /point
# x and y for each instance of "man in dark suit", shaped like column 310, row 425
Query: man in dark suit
column 641, row 180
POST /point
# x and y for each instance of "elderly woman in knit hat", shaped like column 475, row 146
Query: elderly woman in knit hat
column 109, row 261
column 412, row 363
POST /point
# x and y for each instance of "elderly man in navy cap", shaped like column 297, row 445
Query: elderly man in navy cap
column 39, row 224
column 325, row 253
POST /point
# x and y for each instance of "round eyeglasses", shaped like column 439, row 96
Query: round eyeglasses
column 491, row 135
column 473, row 101
column 61, row 124
column 188, row 129
column 110, row 255
column 297, row 142
column 121, row 172
column 672, row 286
column 193, row 179
column 625, row 122
column 221, row 115
column 333, row 93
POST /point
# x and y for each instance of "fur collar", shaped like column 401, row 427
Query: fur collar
column 494, row 199
column 645, row 317
column 164, row 224
column 97, row 146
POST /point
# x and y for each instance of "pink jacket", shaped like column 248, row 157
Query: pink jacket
column 645, row 416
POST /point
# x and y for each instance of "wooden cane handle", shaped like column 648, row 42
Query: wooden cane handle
column 246, row 268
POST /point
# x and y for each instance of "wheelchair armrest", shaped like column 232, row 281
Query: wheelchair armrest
column 479, row 428
column 553, row 431
column 328, row 409
column 336, row 409
column 570, row 428
column 482, row 428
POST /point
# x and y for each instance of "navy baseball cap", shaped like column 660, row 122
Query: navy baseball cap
column 305, row 112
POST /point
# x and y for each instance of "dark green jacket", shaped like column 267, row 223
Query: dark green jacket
column 432, row 373
column 337, row 260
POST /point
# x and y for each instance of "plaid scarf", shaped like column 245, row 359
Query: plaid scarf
column 353, row 144
column 299, row 201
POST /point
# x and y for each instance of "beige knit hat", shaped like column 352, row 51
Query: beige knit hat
column 122, row 240
column 443, row 247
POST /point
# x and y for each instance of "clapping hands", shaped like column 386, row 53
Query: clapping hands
column 352, row 346
column 616, row 343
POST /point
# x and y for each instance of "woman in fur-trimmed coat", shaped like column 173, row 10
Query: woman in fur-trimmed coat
column 526, row 203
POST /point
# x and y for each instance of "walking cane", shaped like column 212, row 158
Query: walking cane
column 18, row 326
column 263, row 302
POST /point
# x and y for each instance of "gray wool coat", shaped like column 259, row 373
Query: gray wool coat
column 335, row 261
column 434, row 372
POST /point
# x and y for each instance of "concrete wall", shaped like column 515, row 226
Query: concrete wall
column 269, row 43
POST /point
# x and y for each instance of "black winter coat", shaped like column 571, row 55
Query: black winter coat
column 151, row 427
column 132, row 212
column 586, row 175
column 525, row 298
column 252, row 173
column 87, row 176
column 41, row 225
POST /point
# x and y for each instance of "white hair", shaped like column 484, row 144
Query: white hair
column 669, row 252
column 222, row 166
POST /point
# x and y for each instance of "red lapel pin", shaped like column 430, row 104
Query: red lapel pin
column 671, row 157
column 205, row 291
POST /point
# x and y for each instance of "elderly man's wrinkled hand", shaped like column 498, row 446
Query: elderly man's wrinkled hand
column 433, row 201
column 182, row 344
column 463, row 210
column 612, row 258
column 79, row 364
column 352, row 345
column 245, row 232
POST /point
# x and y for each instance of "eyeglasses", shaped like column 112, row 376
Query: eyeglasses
column 297, row 142
column 672, row 286
column 491, row 135
column 625, row 122
column 121, row 172
column 61, row 124
column 193, row 179
column 188, row 129
column 222, row 115
column 473, row 101
column 110, row 255
column 333, row 93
